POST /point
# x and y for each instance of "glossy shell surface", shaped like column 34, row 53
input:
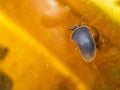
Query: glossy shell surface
column 83, row 38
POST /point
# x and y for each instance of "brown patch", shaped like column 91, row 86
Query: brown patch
column 97, row 37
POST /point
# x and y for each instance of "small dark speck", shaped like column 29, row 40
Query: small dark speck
column 5, row 82
column 3, row 52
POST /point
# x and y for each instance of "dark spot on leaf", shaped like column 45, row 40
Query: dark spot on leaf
column 66, row 83
column 3, row 52
column 5, row 82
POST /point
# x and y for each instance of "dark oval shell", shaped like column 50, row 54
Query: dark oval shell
column 83, row 38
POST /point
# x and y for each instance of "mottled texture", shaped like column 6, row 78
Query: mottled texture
column 83, row 38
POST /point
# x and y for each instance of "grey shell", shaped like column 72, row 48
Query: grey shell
column 83, row 38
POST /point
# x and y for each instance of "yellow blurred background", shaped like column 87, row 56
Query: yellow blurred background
column 41, row 55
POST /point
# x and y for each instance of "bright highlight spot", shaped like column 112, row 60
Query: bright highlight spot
column 110, row 8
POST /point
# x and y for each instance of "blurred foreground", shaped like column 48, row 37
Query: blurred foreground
column 39, row 54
